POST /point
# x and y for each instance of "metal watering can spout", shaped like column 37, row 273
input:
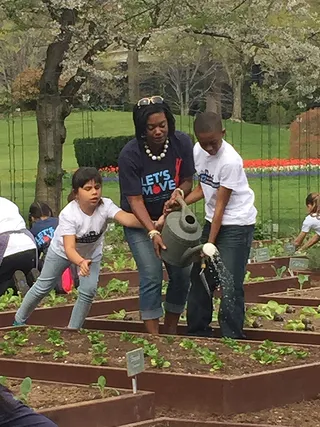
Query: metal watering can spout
column 209, row 250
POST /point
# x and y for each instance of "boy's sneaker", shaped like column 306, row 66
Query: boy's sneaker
column 15, row 323
column 34, row 273
column 21, row 282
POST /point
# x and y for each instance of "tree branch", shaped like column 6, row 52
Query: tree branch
column 210, row 33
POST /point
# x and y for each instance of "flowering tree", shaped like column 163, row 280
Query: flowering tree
column 76, row 32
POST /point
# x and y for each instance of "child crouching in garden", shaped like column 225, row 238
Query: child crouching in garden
column 311, row 223
column 78, row 239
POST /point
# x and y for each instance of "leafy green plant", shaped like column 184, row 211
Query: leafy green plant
column 25, row 390
column 41, row 349
column 9, row 300
column 95, row 337
column 310, row 312
column 279, row 271
column 99, row 348
column 302, row 279
column 3, row 380
column 99, row 360
column 34, row 329
column 263, row 357
column 101, row 384
column 117, row 315
column 164, row 287
column 17, row 337
column 114, row 286
column 126, row 336
column 169, row 338
column 209, row 357
column 7, row 349
column 60, row 354
column 295, row 325
column 54, row 337
column 235, row 346
column 54, row 299
column 188, row 344
column 160, row 362
column 266, row 311
column 248, row 278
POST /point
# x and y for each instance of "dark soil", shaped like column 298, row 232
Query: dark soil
column 45, row 395
column 303, row 414
column 181, row 360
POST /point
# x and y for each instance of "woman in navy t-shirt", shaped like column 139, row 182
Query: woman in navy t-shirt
column 154, row 165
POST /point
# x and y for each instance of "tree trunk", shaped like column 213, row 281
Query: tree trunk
column 133, row 76
column 237, row 83
column 213, row 101
column 51, row 114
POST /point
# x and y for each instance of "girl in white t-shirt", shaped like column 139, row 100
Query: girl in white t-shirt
column 311, row 222
column 78, row 240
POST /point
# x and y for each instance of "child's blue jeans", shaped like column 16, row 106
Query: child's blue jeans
column 52, row 270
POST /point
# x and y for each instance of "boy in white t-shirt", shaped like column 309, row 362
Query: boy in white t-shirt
column 230, row 217
column 311, row 222
column 77, row 240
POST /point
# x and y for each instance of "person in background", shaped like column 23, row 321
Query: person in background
column 13, row 413
column 230, row 216
column 42, row 225
column 77, row 240
column 157, row 163
column 18, row 251
column 311, row 223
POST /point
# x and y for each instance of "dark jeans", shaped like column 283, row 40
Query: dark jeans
column 24, row 261
column 14, row 414
column 233, row 243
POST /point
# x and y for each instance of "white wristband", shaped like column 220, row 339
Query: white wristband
column 181, row 192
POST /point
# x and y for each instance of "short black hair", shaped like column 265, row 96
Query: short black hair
column 141, row 114
column 207, row 122
column 39, row 209
column 84, row 175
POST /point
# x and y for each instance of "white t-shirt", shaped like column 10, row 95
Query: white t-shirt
column 11, row 220
column 311, row 223
column 89, row 230
column 225, row 169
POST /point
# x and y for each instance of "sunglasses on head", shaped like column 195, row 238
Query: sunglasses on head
column 152, row 100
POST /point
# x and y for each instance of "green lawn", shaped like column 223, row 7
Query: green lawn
column 280, row 200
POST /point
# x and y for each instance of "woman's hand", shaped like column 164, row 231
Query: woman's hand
column 85, row 267
column 172, row 204
column 158, row 244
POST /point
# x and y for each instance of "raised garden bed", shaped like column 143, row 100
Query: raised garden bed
column 230, row 379
column 257, row 269
column 84, row 405
column 305, row 297
column 182, row 422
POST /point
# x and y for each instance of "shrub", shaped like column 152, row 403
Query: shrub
column 99, row 152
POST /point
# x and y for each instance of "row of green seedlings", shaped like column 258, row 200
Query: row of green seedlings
column 121, row 262
column 266, row 354
column 275, row 311
column 150, row 350
column 115, row 286
column 15, row 339
column 25, row 388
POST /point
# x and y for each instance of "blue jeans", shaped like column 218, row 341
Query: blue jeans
column 233, row 243
column 52, row 270
column 14, row 414
column 150, row 269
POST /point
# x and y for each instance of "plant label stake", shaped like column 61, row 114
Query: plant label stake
column 252, row 255
column 135, row 365
column 297, row 264
column 289, row 248
column 262, row 255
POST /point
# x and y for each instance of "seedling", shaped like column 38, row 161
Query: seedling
column 169, row 338
column 188, row 344
column 266, row 311
column 279, row 271
column 248, row 278
column 25, row 389
column 164, row 287
column 9, row 300
column 117, row 315
column 7, row 349
column 54, row 337
column 60, row 354
column 3, row 380
column 53, row 299
column 99, row 348
column 95, row 337
column 17, row 337
column 311, row 312
column 126, row 336
column 235, row 346
column 263, row 357
column 101, row 384
column 114, row 286
column 34, row 329
column 302, row 279
column 160, row 362
column 42, row 350
column 295, row 325
column 99, row 360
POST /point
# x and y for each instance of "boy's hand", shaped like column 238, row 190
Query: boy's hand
column 172, row 204
column 85, row 267
column 160, row 223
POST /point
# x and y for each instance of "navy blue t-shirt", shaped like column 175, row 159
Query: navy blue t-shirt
column 154, row 180
column 43, row 231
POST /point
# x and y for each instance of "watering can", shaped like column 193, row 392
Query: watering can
column 181, row 235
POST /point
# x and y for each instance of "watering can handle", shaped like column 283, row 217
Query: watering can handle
column 181, row 202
